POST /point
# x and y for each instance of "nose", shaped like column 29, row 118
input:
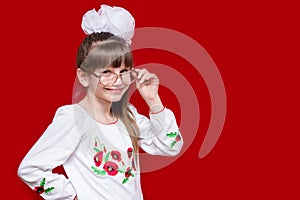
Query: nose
column 118, row 80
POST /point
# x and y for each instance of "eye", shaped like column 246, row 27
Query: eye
column 124, row 71
column 106, row 72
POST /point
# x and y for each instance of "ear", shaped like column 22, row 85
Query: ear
column 83, row 78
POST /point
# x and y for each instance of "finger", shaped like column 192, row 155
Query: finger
column 135, row 69
column 141, row 73
column 148, row 78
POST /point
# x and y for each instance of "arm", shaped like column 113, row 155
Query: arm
column 51, row 150
column 159, row 134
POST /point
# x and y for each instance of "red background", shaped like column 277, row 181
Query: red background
column 255, row 45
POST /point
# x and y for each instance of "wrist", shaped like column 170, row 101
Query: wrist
column 157, row 111
column 155, row 105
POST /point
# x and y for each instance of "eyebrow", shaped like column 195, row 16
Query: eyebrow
column 110, row 68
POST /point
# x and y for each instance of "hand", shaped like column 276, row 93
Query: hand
column 147, row 84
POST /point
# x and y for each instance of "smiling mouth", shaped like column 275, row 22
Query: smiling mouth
column 114, row 89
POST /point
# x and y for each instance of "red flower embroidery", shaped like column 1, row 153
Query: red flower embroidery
column 39, row 189
column 129, row 152
column 111, row 168
column 128, row 172
column 178, row 138
column 116, row 155
column 98, row 158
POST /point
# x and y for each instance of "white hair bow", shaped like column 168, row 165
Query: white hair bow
column 115, row 20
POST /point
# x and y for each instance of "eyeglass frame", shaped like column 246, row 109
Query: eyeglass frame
column 118, row 75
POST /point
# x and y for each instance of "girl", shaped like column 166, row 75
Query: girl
column 97, row 139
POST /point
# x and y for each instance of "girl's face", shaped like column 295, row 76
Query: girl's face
column 109, row 85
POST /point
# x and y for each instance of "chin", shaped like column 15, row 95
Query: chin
column 114, row 99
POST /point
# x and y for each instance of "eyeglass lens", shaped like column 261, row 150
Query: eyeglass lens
column 127, row 78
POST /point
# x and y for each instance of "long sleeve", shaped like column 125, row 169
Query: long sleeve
column 52, row 149
column 159, row 134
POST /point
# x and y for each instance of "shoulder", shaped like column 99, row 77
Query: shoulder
column 65, row 108
column 65, row 111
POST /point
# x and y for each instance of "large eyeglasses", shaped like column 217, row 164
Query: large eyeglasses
column 108, row 78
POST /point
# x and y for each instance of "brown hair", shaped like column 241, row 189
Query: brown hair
column 87, row 43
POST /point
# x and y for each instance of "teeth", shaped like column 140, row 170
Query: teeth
column 114, row 89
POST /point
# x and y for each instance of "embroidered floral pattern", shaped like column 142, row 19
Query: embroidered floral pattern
column 111, row 168
column 111, row 162
column 127, row 174
column 40, row 189
column 98, row 158
column 129, row 152
column 116, row 155
column 176, row 136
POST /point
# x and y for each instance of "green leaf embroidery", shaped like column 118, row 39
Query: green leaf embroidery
column 49, row 189
column 173, row 144
column 172, row 134
column 107, row 156
column 43, row 181
column 98, row 171
column 40, row 189
column 96, row 149
column 125, row 180
column 121, row 171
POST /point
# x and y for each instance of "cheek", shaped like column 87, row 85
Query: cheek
column 98, row 90
column 94, row 89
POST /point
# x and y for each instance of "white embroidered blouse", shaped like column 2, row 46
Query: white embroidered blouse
column 98, row 159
